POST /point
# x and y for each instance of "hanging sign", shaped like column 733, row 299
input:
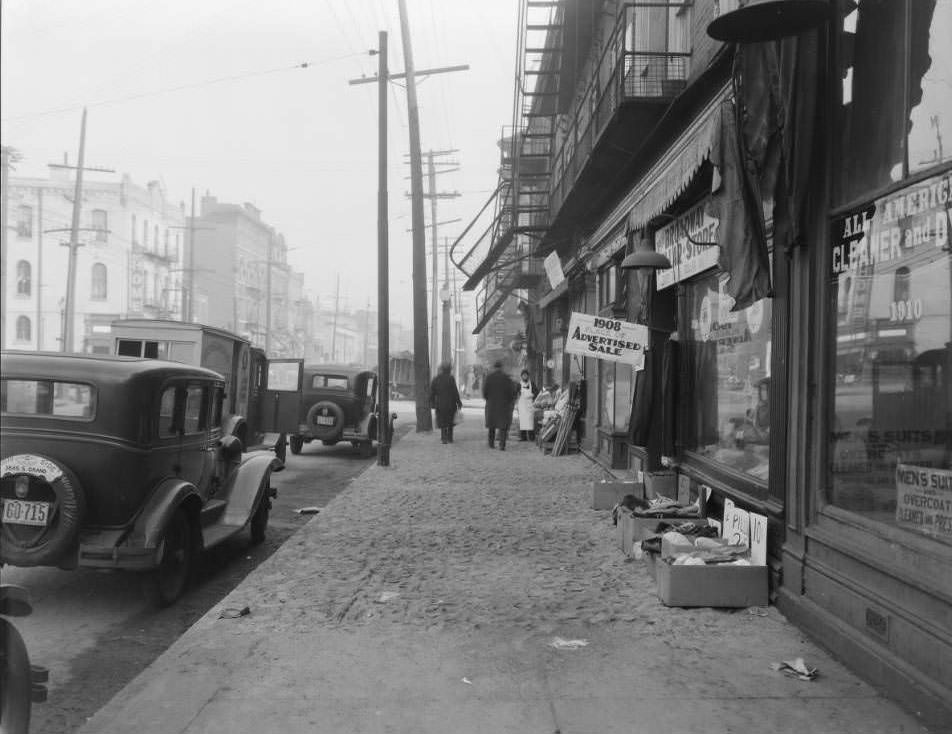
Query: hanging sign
column 687, row 259
column 553, row 269
column 609, row 339
column 924, row 499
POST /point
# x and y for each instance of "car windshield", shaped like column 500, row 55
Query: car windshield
column 47, row 397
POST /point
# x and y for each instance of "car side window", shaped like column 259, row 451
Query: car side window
column 218, row 398
column 167, row 412
column 193, row 409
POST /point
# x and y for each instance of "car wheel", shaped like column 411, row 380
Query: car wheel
column 297, row 443
column 325, row 420
column 15, row 681
column 259, row 521
column 48, row 481
column 168, row 581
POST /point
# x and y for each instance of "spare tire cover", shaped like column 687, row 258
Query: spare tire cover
column 39, row 541
column 325, row 420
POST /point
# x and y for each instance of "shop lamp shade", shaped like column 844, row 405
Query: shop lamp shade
column 646, row 260
column 769, row 20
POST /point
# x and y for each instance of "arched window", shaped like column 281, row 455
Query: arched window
column 901, row 284
column 24, row 278
column 24, row 330
column 99, row 290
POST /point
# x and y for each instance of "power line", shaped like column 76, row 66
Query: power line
column 168, row 90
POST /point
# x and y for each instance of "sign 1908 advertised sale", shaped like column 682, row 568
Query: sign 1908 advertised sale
column 605, row 338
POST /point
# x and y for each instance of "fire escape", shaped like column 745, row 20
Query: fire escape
column 499, row 260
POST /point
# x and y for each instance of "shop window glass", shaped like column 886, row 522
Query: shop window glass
column 614, row 395
column 727, row 378
column 891, row 430
column 895, row 111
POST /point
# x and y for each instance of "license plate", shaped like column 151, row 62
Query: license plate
column 21, row 512
column 325, row 420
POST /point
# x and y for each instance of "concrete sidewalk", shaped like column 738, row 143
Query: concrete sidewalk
column 426, row 598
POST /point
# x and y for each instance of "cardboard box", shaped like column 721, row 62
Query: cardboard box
column 633, row 530
column 608, row 493
column 711, row 585
column 651, row 563
column 663, row 483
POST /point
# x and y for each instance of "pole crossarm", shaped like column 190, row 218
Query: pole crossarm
column 419, row 72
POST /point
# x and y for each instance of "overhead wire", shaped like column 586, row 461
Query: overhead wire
column 181, row 87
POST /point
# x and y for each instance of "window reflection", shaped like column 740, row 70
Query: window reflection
column 728, row 365
column 892, row 414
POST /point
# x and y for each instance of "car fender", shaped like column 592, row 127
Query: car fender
column 168, row 496
column 247, row 485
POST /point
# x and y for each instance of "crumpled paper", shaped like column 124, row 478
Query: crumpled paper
column 234, row 612
column 559, row 644
column 795, row 669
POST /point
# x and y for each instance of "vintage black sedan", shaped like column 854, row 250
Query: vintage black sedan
column 338, row 404
column 122, row 463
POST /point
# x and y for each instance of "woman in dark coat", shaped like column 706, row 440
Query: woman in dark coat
column 500, row 394
column 444, row 397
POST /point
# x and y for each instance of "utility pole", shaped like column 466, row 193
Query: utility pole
column 74, row 244
column 334, row 332
column 5, row 185
column 366, row 332
column 433, row 195
column 189, row 312
column 383, row 265
column 420, row 340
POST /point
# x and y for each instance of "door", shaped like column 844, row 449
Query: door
column 280, row 400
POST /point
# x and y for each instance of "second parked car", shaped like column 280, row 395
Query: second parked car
column 338, row 404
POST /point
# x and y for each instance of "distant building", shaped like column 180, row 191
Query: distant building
column 128, row 264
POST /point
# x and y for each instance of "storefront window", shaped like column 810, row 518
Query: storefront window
column 895, row 117
column 614, row 395
column 891, row 442
column 727, row 367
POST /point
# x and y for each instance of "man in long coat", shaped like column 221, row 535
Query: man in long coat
column 444, row 397
column 500, row 393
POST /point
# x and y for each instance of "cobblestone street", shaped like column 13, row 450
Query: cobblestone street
column 427, row 596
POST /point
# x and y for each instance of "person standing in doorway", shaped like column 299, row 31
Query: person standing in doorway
column 527, row 394
column 500, row 394
column 444, row 397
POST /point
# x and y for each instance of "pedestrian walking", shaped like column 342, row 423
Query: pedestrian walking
column 444, row 397
column 500, row 393
column 527, row 394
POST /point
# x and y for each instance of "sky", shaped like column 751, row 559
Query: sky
column 210, row 95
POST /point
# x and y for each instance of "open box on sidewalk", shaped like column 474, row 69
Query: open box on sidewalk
column 609, row 492
column 633, row 529
column 719, row 584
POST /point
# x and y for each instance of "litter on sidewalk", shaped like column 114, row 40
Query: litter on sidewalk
column 234, row 612
column 307, row 510
column 795, row 669
column 559, row 644
column 388, row 596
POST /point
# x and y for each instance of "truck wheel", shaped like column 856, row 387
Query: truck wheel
column 297, row 443
column 15, row 681
column 167, row 582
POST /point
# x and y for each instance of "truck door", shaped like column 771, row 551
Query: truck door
column 280, row 401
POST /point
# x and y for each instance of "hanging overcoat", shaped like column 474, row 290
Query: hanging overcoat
column 444, row 397
column 500, row 394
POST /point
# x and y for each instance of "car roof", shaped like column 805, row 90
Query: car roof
column 97, row 368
